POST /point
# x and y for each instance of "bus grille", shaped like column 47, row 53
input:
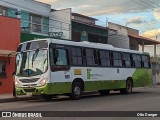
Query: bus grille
column 29, row 80
column 30, row 90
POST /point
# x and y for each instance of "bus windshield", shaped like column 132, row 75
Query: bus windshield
column 31, row 63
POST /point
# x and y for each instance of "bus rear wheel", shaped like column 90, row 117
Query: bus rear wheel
column 128, row 89
column 76, row 91
column 104, row 92
column 47, row 97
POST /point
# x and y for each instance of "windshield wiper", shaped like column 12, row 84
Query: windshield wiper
column 24, row 60
column 35, row 56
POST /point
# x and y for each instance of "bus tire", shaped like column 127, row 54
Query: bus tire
column 47, row 97
column 104, row 92
column 76, row 91
column 128, row 89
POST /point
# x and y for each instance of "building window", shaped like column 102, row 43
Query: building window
column 8, row 12
column 133, row 47
column 3, row 11
column 45, row 25
column 34, row 23
column 104, row 58
column 25, row 21
column 97, row 38
column 117, row 59
column 12, row 13
column 2, row 68
column 76, row 56
column 76, row 36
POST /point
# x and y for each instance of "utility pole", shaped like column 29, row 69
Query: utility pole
column 106, row 22
column 155, row 48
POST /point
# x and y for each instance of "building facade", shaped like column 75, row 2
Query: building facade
column 34, row 16
column 38, row 20
column 84, row 28
column 10, row 38
column 119, row 37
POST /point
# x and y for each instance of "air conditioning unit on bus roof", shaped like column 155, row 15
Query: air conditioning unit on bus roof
column 105, row 45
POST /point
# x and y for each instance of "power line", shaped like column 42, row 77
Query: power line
column 144, row 4
column 140, row 4
column 156, row 1
column 108, row 4
column 153, row 3
column 147, row 4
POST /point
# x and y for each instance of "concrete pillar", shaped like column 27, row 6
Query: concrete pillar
column 154, row 50
column 142, row 46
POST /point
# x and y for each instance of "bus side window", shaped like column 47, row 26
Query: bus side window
column 89, row 57
column 145, row 61
column 126, row 60
column 61, row 57
column 137, row 60
column 117, row 59
column 76, row 54
column 104, row 58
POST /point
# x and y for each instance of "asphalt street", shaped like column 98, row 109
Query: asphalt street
column 142, row 99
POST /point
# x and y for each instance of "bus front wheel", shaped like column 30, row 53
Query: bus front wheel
column 128, row 89
column 76, row 91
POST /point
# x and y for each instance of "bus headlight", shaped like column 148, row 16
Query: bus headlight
column 43, row 81
column 17, row 84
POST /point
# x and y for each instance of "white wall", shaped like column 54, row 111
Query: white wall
column 150, row 49
column 118, row 39
column 28, row 5
column 60, row 21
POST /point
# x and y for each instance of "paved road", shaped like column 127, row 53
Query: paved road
column 142, row 99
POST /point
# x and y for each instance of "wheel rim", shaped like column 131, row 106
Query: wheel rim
column 77, row 91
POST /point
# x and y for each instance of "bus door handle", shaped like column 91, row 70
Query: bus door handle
column 118, row 71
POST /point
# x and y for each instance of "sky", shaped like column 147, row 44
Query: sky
column 143, row 15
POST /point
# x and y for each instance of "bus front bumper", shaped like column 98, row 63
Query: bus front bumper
column 33, row 90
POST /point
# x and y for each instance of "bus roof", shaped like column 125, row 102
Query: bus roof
column 86, row 44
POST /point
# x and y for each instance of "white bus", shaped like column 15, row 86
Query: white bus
column 51, row 67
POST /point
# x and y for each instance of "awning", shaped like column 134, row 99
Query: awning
column 141, row 39
column 7, row 53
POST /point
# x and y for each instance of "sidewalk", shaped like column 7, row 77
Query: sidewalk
column 9, row 98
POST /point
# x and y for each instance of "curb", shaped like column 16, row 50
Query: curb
column 12, row 99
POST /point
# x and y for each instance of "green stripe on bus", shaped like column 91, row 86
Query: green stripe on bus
column 142, row 77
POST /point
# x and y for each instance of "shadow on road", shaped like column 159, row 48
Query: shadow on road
column 88, row 95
